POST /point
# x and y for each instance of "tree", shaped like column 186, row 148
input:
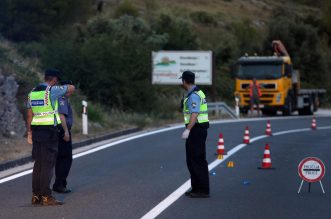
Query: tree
column 179, row 32
column 112, row 62
column 303, row 45
column 29, row 20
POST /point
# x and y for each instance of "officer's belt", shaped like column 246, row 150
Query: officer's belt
column 201, row 112
column 46, row 113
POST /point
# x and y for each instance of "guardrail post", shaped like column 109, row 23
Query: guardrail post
column 237, row 107
column 84, row 118
column 217, row 110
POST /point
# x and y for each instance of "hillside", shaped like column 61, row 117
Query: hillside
column 93, row 42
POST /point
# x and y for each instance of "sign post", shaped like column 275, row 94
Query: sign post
column 311, row 170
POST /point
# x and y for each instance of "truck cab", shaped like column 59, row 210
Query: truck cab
column 273, row 74
column 280, row 84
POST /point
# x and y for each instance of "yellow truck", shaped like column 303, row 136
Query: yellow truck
column 280, row 84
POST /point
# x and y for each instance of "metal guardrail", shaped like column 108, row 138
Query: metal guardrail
column 221, row 106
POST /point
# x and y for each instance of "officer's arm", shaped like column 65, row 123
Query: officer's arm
column 65, row 127
column 193, row 120
column 194, row 107
column 29, row 119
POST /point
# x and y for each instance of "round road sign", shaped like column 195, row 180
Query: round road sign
column 311, row 169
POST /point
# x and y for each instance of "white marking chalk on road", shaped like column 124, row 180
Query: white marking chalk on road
column 163, row 205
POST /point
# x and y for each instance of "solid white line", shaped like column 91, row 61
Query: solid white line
column 17, row 175
column 163, row 205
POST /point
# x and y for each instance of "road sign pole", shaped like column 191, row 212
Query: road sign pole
column 309, row 187
column 300, row 187
column 311, row 170
column 322, row 187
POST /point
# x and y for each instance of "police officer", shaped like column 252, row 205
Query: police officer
column 64, row 155
column 196, row 123
column 42, row 125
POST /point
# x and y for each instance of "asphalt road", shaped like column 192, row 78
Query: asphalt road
column 129, row 179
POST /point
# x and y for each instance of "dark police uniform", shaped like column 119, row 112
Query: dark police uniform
column 64, row 157
column 44, row 136
column 195, row 102
column 196, row 147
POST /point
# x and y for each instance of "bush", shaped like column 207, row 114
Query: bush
column 180, row 33
column 105, row 65
column 126, row 8
column 248, row 38
column 203, row 17
column 303, row 45
column 29, row 20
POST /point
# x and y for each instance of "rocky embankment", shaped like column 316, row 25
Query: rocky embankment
column 12, row 124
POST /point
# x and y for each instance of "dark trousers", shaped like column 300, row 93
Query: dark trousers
column 196, row 158
column 63, row 162
column 44, row 151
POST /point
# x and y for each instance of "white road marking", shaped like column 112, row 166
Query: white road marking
column 93, row 150
column 163, row 205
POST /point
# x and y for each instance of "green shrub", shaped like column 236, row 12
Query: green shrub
column 31, row 50
column 203, row 17
column 126, row 8
column 180, row 33
column 303, row 45
column 24, row 21
column 111, row 65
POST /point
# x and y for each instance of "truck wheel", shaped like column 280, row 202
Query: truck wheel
column 301, row 112
column 316, row 103
column 309, row 110
column 287, row 109
column 244, row 111
column 269, row 112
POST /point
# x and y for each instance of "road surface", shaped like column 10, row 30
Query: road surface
column 129, row 179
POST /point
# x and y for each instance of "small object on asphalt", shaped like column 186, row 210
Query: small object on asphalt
column 213, row 174
column 230, row 164
column 246, row 182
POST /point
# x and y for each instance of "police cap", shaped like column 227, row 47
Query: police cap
column 53, row 72
column 67, row 83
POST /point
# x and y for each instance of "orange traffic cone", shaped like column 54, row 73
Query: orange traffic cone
column 268, row 129
column 266, row 162
column 246, row 136
column 313, row 124
column 220, row 147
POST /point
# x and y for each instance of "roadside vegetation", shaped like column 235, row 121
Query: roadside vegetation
column 105, row 48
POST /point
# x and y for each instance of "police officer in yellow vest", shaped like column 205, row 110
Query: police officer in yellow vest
column 196, row 123
column 42, row 125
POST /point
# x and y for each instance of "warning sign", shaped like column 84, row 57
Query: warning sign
column 311, row 169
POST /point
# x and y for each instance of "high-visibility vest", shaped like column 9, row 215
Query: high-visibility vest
column 43, row 111
column 203, row 114
column 258, row 87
